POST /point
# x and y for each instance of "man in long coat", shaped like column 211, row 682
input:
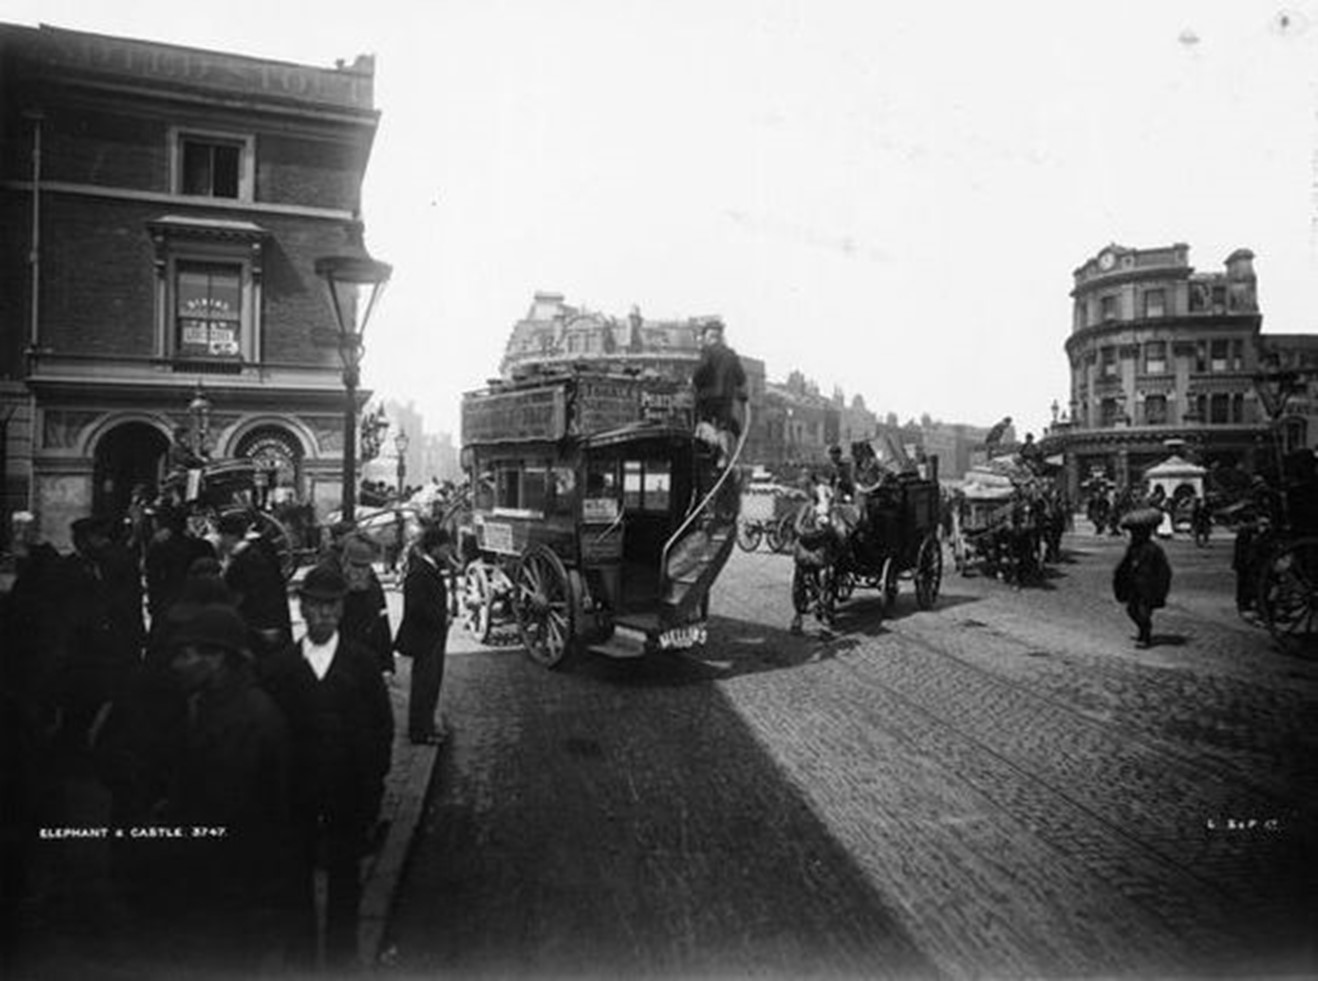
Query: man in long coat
column 252, row 572
column 365, row 611
column 337, row 706
column 423, row 634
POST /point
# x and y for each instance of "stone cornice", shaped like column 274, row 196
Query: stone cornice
column 178, row 201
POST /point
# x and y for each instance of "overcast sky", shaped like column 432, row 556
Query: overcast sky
column 891, row 197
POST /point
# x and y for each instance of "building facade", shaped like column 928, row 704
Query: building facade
column 1158, row 352
column 164, row 208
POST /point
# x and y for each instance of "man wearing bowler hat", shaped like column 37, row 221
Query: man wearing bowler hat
column 423, row 634
column 337, row 707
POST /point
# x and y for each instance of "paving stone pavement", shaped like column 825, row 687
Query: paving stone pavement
column 1000, row 787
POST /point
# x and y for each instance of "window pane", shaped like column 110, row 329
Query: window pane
column 211, row 169
column 508, row 489
column 1153, row 303
column 1218, row 408
column 657, row 483
column 631, row 484
column 196, row 168
column 534, row 489
column 226, row 172
column 209, row 310
column 1155, row 410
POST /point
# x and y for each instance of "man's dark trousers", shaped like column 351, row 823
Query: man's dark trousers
column 423, row 699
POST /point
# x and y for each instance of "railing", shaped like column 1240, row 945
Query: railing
column 699, row 509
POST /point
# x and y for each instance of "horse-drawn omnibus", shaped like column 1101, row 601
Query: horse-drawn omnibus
column 596, row 517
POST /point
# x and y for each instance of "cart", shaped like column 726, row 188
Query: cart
column 596, row 519
column 768, row 511
column 998, row 525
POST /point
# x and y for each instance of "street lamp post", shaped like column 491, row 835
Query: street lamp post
column 354, row 281
column 400, row 444
column 200, row 411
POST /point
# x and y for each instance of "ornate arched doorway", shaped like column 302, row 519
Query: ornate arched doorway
column 279, row 453
column 130, row 454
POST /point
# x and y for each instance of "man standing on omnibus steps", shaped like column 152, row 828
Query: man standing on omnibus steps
column 719, row 381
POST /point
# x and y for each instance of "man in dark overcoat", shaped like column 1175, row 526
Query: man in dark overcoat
column 720, row 387
column 227, row 894
column 99, row 627
column 334, row 697
column 423, row 633
column 252, row 572
column 365, row 611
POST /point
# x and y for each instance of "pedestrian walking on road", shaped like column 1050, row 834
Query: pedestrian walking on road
column 334, row 698
column 423, row 634
column 1144, row 576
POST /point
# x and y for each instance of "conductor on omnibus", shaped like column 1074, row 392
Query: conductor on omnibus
column 719, row 381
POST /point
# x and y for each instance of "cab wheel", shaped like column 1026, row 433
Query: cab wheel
column 477, row 602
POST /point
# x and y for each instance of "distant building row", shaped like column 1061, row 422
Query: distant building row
column 791, row 422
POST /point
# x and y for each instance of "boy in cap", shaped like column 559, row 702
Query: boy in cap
column 227, row 898
column 1143, row 577
column 252, row 572
column 365, row 611
column 337, row 706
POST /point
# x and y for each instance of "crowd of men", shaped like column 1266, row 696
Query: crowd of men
column 231, row 760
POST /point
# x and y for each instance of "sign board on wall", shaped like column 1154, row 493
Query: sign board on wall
column 528, row 415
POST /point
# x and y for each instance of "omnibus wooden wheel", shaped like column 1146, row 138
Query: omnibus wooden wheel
column 545, row 604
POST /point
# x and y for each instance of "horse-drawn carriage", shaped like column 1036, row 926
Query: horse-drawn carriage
column 596, row 518
column 219, row 487
column 888, row 534
column 1276, row 560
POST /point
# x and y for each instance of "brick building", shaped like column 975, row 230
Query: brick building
column 164, row 207
column 1158, row 352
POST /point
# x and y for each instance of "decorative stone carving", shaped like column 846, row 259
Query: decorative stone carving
column 61, row 429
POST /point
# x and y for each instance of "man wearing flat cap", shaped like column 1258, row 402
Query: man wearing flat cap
column 365, row 611
column 252, row 572
column 337, row 706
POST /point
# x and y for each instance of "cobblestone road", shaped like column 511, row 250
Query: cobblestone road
column 1002, row 786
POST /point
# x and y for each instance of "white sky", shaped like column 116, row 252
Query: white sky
column 891, row 197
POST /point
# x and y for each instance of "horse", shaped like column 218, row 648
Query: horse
column 819, row 545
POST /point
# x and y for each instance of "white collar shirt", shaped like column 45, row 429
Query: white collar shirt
column 320, row 656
